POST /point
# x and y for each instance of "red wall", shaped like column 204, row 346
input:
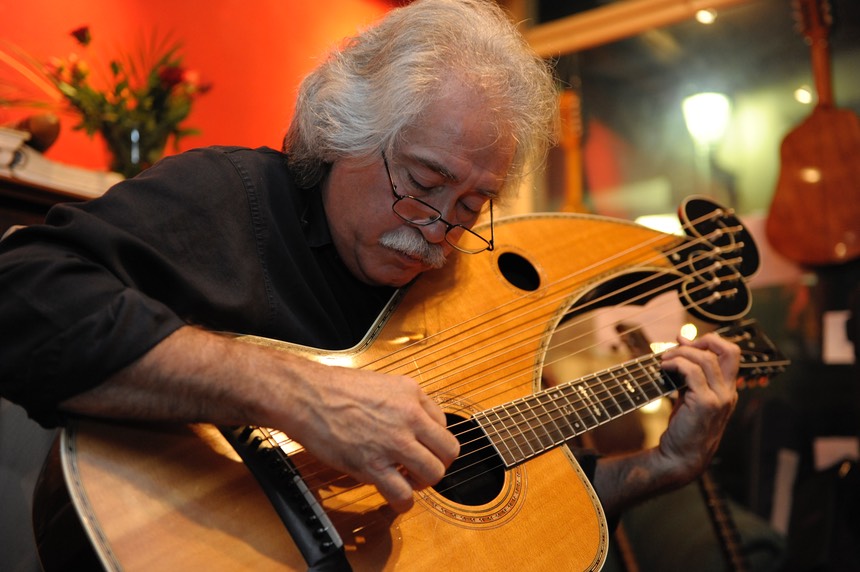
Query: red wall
column 254, row 54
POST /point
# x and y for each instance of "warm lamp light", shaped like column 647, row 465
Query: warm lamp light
column 689, row 331
column 803, row 95
column 707, row 16
column 706, row 116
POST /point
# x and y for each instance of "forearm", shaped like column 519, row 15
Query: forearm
column 709, row 366
column 194, row 375
column 623, row 481
column 374, row 427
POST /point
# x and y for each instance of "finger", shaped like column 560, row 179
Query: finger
column 693, row 375
column 395, row 488
column 728, row 354
column 436, row 437
column 422, row 466
column 703, row 374
column 707, row 360
column 440, row 443
column 432, row 409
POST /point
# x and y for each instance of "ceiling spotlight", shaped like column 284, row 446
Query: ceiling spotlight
column 803, row 94
column 706, row 116
column 706, row 16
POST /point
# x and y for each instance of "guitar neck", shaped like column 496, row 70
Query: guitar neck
column 821, row 72
column 526, row 427
column 532, row 425
column 814, row 17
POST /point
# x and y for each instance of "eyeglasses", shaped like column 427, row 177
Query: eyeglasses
column 416, row 212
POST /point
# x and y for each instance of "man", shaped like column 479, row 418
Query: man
column 400, row 142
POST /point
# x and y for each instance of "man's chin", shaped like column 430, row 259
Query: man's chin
column 399, row 276
column 405, row 276
column 396, row 269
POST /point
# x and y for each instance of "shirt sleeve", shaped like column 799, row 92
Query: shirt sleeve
column 101, row 282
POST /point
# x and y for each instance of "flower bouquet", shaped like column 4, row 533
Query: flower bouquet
column 136, row 104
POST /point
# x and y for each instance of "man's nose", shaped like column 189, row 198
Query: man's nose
column 434, row 233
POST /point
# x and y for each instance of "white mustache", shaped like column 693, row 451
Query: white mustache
column 411, row 242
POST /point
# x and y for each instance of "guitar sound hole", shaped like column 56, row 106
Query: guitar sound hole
column 476, row 477
column 519, row 271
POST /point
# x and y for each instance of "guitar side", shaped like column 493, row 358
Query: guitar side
column 154, row 498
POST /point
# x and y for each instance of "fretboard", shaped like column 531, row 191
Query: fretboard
column 531, row 425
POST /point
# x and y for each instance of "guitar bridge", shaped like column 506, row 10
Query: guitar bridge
column 305, row 520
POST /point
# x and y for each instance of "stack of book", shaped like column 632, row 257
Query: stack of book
column 24, row 166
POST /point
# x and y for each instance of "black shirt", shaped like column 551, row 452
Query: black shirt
column 219, row 237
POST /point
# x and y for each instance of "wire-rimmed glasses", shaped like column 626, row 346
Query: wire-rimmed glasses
column 416, row 212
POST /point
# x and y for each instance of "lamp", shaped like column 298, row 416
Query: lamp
column 706, row 116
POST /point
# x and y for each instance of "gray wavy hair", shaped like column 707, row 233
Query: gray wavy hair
column 363, row 96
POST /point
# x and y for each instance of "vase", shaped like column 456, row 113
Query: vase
column 132, row 148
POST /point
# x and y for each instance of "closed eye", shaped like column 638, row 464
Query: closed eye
column 472, row 207
column 422, row 189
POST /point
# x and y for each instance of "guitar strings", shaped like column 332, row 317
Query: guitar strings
column 597, row 401
column 550, row 299
column 510, row 347
column 603, row 395
column 602, row 400
column 607, row 400
column 686, row 245
column 597, row 394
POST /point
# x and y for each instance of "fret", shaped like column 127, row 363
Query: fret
column 530, row 428
column 514, row 423
column 590, row 410
column 651, row 372
column 553, row 417
column 622, row 395
column 607, row 395
column 501, row 436
column 569, row 409
column 633, row 389
column 658, row 378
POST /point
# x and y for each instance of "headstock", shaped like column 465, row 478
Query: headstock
column 760, row 358
column 814, row 19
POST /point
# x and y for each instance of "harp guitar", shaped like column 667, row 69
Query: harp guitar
column 475, row 335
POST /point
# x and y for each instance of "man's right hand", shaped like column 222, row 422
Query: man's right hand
column 379, row 429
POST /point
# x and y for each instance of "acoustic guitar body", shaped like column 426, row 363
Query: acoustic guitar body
column 814, row 218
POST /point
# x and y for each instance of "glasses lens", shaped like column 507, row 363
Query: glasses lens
column 467, row 241
column 415, row 211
